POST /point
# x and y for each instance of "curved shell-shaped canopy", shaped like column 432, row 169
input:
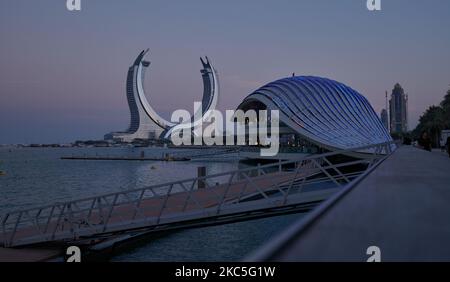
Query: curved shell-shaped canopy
column 324, row 111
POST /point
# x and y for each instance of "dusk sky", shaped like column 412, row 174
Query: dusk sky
column 62, row 74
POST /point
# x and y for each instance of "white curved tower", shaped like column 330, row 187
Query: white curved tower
column 145, row 122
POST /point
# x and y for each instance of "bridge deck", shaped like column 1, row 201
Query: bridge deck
column 204, row 198
column 263, row 190
column 403, row 207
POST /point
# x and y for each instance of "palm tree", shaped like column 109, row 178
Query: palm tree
column 445, row 104
column 432, row 121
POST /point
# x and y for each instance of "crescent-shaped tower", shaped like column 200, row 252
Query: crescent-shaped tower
column 145, row 122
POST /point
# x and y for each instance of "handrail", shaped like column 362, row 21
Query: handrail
column 268, row 251
column 101, row 207
column 338, row 152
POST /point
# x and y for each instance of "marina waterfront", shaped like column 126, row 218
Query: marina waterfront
column 214, row 131
column 37, row 176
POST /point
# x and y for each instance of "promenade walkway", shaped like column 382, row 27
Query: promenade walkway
column 402, row 207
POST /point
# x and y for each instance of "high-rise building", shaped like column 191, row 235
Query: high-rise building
column 398, row 108
column 142, row 126
column 145, row 122
column 384, row 118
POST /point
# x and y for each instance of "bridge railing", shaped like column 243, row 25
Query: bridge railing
column 251, row 188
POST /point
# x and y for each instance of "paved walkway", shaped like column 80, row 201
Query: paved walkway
column 403, row 207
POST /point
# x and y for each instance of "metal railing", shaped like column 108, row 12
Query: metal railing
column 274, row 185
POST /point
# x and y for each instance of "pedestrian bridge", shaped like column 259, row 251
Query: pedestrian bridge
column 282, row 187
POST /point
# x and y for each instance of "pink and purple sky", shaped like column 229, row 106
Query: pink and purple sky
column 62, row 74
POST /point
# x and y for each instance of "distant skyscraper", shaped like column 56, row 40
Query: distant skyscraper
column 398, row 108
column 384, row 118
